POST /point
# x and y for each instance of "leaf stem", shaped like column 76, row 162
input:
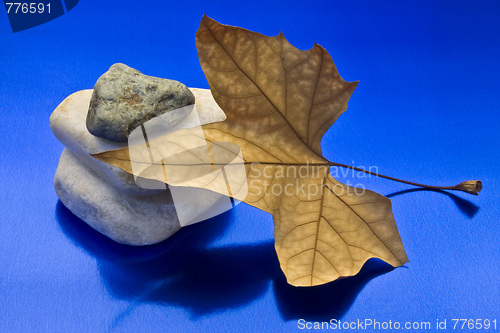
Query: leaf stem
column 469, row 186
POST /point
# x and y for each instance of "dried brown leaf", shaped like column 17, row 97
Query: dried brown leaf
column 279, row 101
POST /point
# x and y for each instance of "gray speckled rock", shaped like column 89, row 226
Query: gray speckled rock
column 124, row 98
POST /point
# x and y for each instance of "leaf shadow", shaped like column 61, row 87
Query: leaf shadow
column 466, row 207
column 328, row 301
column 185, row 271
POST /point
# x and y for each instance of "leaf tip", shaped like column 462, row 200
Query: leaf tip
column 205, row 19
column 470, row 186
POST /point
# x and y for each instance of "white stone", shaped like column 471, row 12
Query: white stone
column 125, row 218
column 68, row 123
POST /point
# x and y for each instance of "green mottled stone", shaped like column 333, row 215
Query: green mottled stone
column 124, row 98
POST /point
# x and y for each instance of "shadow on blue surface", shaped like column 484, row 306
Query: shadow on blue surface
column 465, row 206
column 328, row 301
column 184, row 271
column 181, row 271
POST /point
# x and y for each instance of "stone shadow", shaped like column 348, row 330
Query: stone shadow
column 186, row 271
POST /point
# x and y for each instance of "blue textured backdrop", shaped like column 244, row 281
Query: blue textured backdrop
column 426, row 109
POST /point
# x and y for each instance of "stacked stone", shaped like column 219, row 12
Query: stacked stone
column 92, row 121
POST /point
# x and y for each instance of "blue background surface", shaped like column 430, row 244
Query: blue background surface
column 426, row 109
